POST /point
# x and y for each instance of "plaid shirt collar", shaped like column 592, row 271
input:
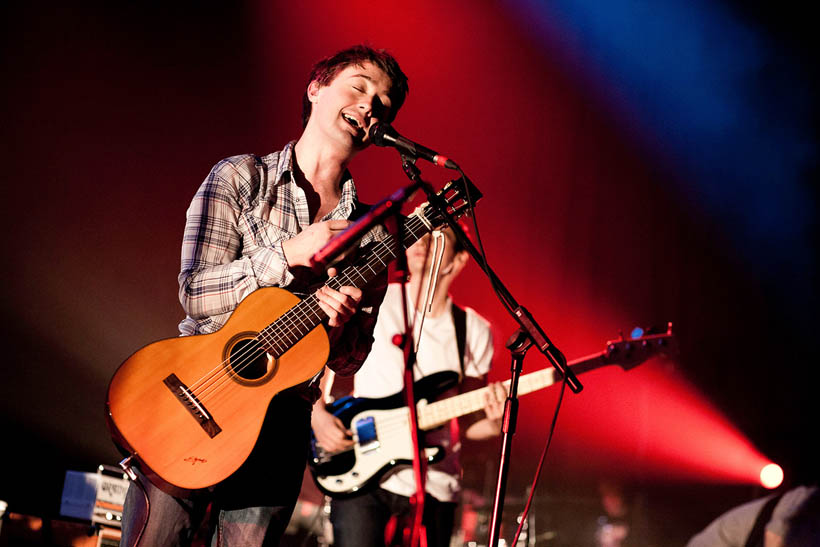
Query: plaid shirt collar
column 347, row 201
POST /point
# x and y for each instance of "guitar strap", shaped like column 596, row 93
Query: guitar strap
column 758, row 532
column 460, row 323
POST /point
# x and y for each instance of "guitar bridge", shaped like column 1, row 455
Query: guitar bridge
column 192, row 405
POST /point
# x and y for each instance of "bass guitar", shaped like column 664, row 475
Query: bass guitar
column 381, row 427
column 190, row 409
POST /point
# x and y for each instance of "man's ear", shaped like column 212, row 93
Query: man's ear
column 460, row 260
column 313, row 91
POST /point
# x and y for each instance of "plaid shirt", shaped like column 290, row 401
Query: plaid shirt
column 236, row 223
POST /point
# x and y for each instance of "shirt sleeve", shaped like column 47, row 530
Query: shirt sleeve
column 213, row 278
column 479, row 350
column 353, row 341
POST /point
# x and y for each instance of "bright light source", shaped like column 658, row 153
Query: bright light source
column 771, row 476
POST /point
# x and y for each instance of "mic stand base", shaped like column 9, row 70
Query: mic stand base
column 518, row 344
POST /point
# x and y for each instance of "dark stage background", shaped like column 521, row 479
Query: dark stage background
column 607, row 205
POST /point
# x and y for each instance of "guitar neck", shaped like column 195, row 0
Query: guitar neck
column 440, row 412
column 302, row 318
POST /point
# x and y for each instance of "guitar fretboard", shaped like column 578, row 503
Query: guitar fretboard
column 440, row 412
column 297, row 322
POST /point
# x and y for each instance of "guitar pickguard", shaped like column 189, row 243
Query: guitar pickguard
column 383, row 438
column 388, row 444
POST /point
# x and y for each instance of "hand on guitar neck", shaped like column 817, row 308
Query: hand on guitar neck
column 339, row 305
column 495, row 395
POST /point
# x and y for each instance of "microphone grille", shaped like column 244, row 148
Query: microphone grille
column 377, row 133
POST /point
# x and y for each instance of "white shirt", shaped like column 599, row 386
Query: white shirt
column 382, row 375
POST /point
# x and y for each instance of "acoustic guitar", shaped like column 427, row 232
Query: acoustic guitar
column 190, row 409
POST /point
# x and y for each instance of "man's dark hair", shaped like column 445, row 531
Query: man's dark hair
column 325, row 70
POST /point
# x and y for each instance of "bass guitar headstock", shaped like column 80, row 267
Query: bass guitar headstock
column 631, row 352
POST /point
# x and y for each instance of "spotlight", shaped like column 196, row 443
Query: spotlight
column 771, row 476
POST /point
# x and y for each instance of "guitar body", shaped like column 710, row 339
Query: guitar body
column 381, row 427
column 383, row 438
column 190, row 409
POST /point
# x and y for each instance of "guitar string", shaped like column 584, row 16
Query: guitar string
column 292, row 328
column 451, row 408
column 293, row 325
column 388, row 426
column 384, row 250
column 454, row 406
column 275, row 342
column 237, row 363
column 311, row 305
column 279, row 341
column 440, row 412
column 294, row 332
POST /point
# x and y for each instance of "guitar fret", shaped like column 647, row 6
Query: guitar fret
column 318, row 315
column 626, row 353
column 300, row 325
column 271, row 341
column 380, row 260
column 297, row 322
column 439, row 412
column 292, row 328
column 278, row 347
column 285, row 332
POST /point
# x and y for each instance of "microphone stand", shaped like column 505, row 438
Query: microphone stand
column 416, row 535
column 388, row 212
column 518, row 344
column 528, row 334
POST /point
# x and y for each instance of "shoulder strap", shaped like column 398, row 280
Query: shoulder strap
column 460, row 323
column 359, row 210
column 755, row 538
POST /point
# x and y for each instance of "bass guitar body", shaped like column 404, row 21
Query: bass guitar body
column 383, row 438
column 381, row 427
column 190, row 409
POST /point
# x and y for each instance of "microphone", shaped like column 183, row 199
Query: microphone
column 383, row 134
column 342, row 242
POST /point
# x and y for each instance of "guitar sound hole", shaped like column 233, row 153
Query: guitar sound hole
column 249, row 360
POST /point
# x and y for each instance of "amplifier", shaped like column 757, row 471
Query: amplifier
column 97, row 497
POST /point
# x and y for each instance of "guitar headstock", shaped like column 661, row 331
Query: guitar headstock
column 631, row 352
column 454, row 195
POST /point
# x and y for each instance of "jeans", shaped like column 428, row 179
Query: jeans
column 249, row 509
column 360, row 521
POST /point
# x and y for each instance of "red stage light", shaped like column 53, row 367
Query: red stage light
column 771, row 476
column 650, row 422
